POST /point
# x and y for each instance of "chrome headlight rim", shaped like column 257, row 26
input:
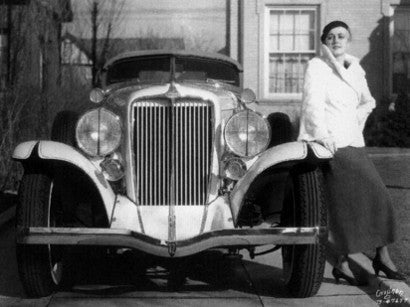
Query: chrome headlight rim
column 263, row 148
column 98, row 111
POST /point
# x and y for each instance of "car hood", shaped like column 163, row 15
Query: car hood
column 219, row 94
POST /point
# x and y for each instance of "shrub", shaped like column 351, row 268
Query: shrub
column 386, row 128
column 27, row 114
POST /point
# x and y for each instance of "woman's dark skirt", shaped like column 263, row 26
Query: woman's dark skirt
column 361, row 215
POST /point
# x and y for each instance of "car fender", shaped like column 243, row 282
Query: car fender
column 56, row 151
column 293, row 151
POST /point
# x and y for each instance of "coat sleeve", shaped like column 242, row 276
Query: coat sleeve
column 367, row 102
column 312, row 118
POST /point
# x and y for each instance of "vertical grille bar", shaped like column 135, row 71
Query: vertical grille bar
column 172, row 136
column 150, row 162
column 202, row 151
column 155, row 125
column 194, row 183
column 137, row 153
column 189, row 156
column 206, row 158
column 167, row 156
column 185, row 155
column 177, row 155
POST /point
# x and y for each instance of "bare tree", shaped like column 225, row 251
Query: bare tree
column 99, row 21
column 33, row 76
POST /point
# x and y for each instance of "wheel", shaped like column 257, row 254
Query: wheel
column 42, row 268
column 303, row 265
column 63, row 129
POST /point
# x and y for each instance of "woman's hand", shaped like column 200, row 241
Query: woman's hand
column 329, row 143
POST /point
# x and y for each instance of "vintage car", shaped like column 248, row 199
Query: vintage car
column 171, row 161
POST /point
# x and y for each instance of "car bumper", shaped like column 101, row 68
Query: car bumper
column 129, row 239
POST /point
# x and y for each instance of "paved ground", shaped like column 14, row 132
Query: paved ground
column 249, row 283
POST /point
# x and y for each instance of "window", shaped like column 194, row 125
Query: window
column 401, row 50
column 291, row 38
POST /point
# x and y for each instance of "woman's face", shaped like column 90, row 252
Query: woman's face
column 338, row 41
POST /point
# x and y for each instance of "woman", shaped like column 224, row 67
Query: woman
column 336, row 104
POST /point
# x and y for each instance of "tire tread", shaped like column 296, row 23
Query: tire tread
column 31, row 211
column 307, row 273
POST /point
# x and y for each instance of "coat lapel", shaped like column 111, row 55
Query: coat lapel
column 347, row 75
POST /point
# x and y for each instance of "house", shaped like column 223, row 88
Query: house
column 76, row 61
column 274, row 39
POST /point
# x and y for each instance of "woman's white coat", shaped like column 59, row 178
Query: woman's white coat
column 336, row 101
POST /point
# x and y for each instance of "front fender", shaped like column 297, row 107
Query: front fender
column 55, row 151
column 293, row 151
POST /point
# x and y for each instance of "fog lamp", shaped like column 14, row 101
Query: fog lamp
column 112, row 169
column 235, row 168
column 96, row 95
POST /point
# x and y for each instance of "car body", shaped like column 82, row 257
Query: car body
column 171, row 161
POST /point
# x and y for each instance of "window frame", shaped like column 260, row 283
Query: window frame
column 268, row 8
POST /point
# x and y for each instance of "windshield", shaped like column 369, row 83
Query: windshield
column 204, row 69
column 157, row 69
column 142, row 70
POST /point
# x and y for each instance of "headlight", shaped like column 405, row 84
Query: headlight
column 98, row 132
column 247, row 133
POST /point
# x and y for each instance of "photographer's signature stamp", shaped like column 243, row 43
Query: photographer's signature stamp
column 391, row 296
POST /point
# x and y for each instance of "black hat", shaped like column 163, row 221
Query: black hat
column 332, row 25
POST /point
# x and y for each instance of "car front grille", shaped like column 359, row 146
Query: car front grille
column 172, row 147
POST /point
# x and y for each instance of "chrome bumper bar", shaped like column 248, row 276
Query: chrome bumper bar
column 130, row 239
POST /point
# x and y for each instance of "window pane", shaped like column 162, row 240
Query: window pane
column 286, row 72
column 274, row 22
column 286, row 43
column 273, row 43
column 310, row 16
column 302, row 42
column 302, row 23
column 286, row 23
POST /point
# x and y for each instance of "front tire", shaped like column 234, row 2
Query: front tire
column 303, row 265
column 42, row 268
